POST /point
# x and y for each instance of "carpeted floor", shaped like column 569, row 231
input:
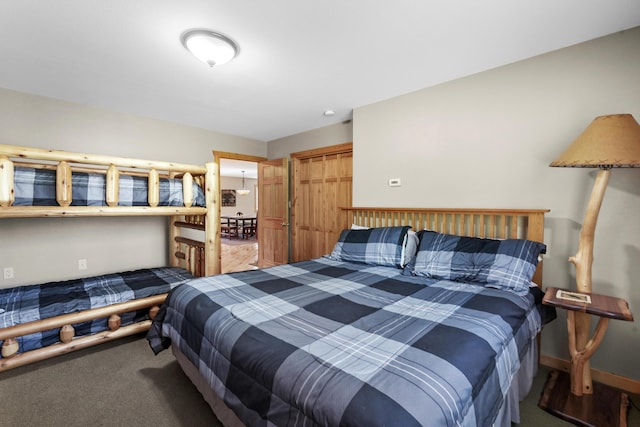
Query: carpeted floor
column 122, row 383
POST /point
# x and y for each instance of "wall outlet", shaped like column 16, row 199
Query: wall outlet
column 82, row 264
column 395, row 182
column 8, row 273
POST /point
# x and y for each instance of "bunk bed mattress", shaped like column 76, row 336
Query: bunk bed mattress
column 326, row 342
column 37, row 187
column 24, row 304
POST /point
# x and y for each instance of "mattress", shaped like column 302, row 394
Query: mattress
column 326, row 342
column 24, row 304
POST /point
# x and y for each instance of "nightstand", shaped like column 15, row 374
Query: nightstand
column 567, row 396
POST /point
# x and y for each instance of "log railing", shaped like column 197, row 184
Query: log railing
column 66, row 162
column 12, row 357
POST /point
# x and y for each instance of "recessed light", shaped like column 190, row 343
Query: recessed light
column 329, row 113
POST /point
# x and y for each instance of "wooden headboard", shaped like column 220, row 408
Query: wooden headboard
column 487, row 223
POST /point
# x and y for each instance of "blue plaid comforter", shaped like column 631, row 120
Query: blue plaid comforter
column 37, row 187
column 325, row 342
column 24, row 304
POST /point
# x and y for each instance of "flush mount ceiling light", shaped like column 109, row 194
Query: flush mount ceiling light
column 210, row 47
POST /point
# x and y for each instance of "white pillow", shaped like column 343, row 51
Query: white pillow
column 359, row 227
column 409, row 247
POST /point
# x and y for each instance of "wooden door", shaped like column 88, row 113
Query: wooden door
column 322, row 184
column 273, row 212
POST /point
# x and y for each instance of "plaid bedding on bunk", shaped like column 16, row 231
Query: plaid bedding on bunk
column 37, row 187
column 35, row 302
column 326, row 342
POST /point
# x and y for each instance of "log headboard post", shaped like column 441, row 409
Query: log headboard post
column 212, row 251
column 6, row 181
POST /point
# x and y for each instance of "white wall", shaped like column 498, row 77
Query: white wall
column 245, row 204
column 45, row 249
column 487, row 141
column 322, row 137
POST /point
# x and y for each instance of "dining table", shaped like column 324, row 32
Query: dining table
column 245, row 226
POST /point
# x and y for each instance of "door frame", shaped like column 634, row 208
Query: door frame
column 217, row 198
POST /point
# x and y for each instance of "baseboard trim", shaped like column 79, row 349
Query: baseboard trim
column 625, row 384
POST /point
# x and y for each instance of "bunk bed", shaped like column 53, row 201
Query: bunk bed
column 38, row 183
column 418, row 317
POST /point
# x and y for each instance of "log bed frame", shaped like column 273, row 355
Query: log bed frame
column 200, row 258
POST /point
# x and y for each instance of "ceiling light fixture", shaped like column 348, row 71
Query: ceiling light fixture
column 243, row 191
column 210, row 47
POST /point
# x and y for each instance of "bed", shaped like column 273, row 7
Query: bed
column 37, row 321
column 372, row 334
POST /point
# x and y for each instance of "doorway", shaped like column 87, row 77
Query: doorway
column 238, row 210
column 238, row 215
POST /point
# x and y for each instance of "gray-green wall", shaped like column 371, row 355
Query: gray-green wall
column 487, row 140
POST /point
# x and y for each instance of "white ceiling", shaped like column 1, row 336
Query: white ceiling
column 298, row 58
column 234, row 168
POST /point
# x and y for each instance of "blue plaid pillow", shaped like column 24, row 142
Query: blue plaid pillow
column 375, row 246
column 503, row 264
column 37, row 187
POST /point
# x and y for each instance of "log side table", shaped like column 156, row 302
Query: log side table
column 566, row 395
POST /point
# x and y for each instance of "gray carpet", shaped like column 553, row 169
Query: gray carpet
column 123, row 383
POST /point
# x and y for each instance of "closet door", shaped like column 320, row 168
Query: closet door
column 322, row 184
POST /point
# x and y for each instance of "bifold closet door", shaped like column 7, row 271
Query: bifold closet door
column 322, row 184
